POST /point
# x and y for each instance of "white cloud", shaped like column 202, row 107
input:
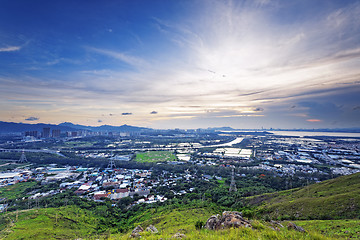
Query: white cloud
column 10, row 49
column 227, row 60
column 131, row 60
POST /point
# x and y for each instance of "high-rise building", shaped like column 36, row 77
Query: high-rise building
column 46, row 132
column 56, row 133
column 31, row 134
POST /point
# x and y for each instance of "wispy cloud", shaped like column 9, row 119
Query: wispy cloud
column 10, row 49
column 229, row 59
column 313, row 120
column 126, row 58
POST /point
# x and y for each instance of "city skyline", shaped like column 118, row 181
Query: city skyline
column 185, row 64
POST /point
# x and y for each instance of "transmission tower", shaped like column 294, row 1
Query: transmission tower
column 232, row 184
column 111, row 164
column 23, row 158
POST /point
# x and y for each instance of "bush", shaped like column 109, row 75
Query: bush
column 199, row 224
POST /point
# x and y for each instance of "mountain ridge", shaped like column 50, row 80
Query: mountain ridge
column 9, row 127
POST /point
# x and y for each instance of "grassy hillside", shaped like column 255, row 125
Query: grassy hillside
column 333, row 228
column 49, row 223
column 183, row 220
column 332, row 199
column 72, row 222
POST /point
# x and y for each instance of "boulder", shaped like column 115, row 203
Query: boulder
column 228, row 219
column 179, row 235
column 138, row 229
column 295, row 227
column 152, row 229
column 136, row 232
column 233, row 219
column 213, row 223
column 276, row 224
column 135, row 235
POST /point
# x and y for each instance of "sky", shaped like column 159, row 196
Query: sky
column 181, row 64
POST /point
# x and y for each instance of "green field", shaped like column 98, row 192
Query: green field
column 16, row 190
column 155, row 156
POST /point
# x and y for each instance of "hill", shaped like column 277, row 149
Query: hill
column 122, row 128
column 11, row 127
column 337, row 198
column 72, row 222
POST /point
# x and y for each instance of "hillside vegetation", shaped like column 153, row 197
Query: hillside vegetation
column 337, row 198
column 333, row 199
column 72, row 222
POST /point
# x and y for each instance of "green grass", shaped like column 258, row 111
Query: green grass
column 332, row 199
column 16, row 191
column 183, row 220
column 72, row 222
column 49, row 223
column 155, row 156
column 333, row 228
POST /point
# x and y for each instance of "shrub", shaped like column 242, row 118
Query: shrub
column 199, row 224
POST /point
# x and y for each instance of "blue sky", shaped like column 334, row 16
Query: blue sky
column 187, row 64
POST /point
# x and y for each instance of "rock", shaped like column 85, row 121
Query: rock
column 138, row 229
column 136, row 232
column 179, row 235
column 228, row 219
column 233, row 219
column 213, row 223
column 295, row 227
column 276, row 223
column 135, row 235
column 152, row 229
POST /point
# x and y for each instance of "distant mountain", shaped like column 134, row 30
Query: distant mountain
column 11, row 127
column 221, row 129
column 109, row 128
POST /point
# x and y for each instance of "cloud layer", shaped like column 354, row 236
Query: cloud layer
column 253, row 63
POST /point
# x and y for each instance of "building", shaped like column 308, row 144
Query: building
column 56, row 133
column 31, row 134
column 46, row 132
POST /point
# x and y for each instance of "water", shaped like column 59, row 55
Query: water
column 312, row 134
